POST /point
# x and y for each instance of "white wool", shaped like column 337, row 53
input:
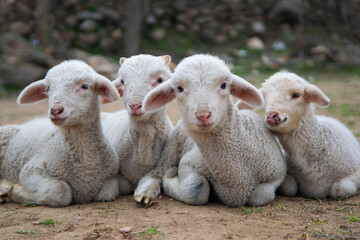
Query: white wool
column 138, row 137
column 69, row 160
column 233, row 150
column 323, row 155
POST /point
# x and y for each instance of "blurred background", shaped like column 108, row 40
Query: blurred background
column 319, row 40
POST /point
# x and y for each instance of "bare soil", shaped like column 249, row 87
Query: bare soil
column 285, row 218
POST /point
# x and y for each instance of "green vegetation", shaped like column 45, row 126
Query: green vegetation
column 150, row 232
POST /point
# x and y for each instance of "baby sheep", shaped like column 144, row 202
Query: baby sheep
column 137, row 136
column 67, row 159
column 233, row 150
column 324, row 156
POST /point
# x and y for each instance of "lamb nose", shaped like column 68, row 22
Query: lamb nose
column 203, row 116
column 57, row 110
column 272, row 115
column 135, row 107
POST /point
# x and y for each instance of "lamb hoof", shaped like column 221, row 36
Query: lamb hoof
column 138, row 199
column 5, row 187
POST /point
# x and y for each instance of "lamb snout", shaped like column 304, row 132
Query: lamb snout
column 135, row 107
column 203, row 116
column 273, row 119
column 55, row 111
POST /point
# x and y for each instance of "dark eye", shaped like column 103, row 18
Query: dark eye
column 122, row 81
column 223, row 86
column 85, row 86
column 295, row 95
column 180, row 89
column 160, row 80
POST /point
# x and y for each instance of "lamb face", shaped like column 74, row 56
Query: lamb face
column 202, row 84
column 288, row 100
column 138, row 75
column 71, row 87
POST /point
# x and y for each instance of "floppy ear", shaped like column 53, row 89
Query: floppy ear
column 167, row 59
column 242, row 105
column 246, row 92
column 119, row 86
column 315, row 95
column 106, row 89
column 158, row 97
column 35, row 92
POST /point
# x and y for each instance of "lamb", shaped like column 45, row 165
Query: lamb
column 232, row 150
column 323, row 155
column 68, row 159
column 138, row 137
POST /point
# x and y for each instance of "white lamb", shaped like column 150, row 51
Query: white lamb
column 138, row 137
column 234, row 150
column 324, row 156
column 68, row 159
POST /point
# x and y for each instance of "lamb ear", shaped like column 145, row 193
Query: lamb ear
column 242, row 105
column 240, row 88
column 167, row 59
column 35, row 92
column 315, row 95
column 119, row 86
column 106, row 89
column 158, row 97
column 122, row 60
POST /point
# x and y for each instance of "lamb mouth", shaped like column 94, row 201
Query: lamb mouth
column 137, row 114
column 58, row 120
column 204, row 125
column 275, row 123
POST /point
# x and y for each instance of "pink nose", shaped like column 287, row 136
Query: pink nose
column 57, row 110
column 135, row 107
column 203, row 116
column 273, row 118
column 272, row 115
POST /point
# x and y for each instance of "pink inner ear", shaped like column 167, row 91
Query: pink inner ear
column 33, row 94
column 159, row 99
column 248, row 95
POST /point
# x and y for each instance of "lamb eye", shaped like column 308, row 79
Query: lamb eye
column 180, row 89
column 122, row 81
column 223, row 86
column 295, row 95
column 85, row 86
column 160, row 80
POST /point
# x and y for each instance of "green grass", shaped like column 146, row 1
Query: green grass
column 25, row 232
column 150, row 232
column 250, row 211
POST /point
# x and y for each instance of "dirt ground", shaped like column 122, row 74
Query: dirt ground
column 285, row 218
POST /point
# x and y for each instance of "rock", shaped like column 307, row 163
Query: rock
column 220, row 39
column 204, row 19
column 75, row 53
column 86, row 14
column 159, row 12
column 269, row 62
column 125, row 230
column 208, row 34
column 71, row 21
column 20, row 74
column 287, row 11
column 255, row 43
column 110, row 14
column 322, row 53
column 150, row 19
column 107, row 44
column 38, row 58
column 12, row 42
column 88, row 25
column 103, row 66
column 88, row 38
column 279, row 45
column 116, row 33
column 158, row 34
column 180, row 28
column 258, row 27
column 20, row 27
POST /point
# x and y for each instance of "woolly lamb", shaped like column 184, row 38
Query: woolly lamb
column 324, row 156
column 234, row 151
column 138, row 137
column 68, row 160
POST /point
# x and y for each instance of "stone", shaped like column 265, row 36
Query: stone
column 159, row 12
column 20, row 27
column 71, row 21
column 102, row 65
column 110, row 13
column 34, row 56
column 221, row 38
column 323, row 53
column 158, row 34
column 150, row 19
column 86, row 14
column 255, row 43
column 20, row 74
column 12, row 42
column 88, row 26
column 75, row 53
column 279, row 45
column 258, row 27
column 116, row 33
column 88, row 38
column 107, row 44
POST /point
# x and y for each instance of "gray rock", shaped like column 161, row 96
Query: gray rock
column 204, row 19
column 75, row 53
column 11, row 41
column 88, row 38
column 88, row 25
column 107, row 44
column 158, row 34
column 86, row 14
column 20, row 27
column 158, row 11
column 20, row 74
column 279, row 45
column 38, row 58
column 221, row 38
column 110, row 14
column 116, row 33
column 258, row 27
column 71, row 21
column 150, row 19
column 103, row 65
